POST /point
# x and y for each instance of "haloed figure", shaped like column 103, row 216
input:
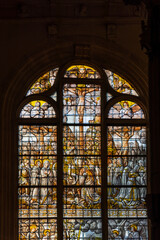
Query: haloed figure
column 133, row 233
column 116, row 234
column 33, row 232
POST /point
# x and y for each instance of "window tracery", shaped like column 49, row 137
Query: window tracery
column 75, row 159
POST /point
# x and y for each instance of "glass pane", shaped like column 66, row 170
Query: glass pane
column 123, row 171
column 37, row 140
column 37, row 229
column 108, row 96
column 81, row 71
column 43, row 83
column 126, row 110
column 81, row 103
column 31, row 171
column 126, row 140
column 82, row 170
column 127, row 201
column 82, row 140
column 135, row 229
column 82, row 202
column 37, row 202
column 119, row 84
column 38, row 109
column 80, row 229
column 54, row 96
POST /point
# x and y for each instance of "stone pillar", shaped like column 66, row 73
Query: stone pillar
column 153, row 198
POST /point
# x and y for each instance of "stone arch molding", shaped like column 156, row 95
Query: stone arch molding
column 102, row 53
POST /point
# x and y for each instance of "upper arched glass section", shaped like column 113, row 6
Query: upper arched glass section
column 119, row 84
column 38, row 109
column 81, row 71
column 43, row 83
column 126, row 110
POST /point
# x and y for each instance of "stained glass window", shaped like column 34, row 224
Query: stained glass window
column 84, row 166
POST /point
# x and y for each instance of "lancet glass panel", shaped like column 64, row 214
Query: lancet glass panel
column 37, row 193
column 127, row 181
column 82, row 161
